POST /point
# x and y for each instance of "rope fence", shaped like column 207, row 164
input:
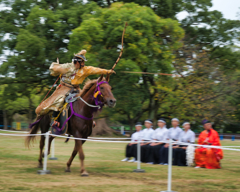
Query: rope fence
column 108, row 140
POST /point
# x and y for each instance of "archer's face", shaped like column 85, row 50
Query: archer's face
column 207, row 126
column 82, row 64
column 138, row 128
column 161, row 124
column 175, row 123
column 148, row 125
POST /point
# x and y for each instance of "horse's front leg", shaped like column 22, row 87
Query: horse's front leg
column 84, row 173
column 74, row 153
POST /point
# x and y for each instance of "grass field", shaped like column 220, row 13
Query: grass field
column 18, row 168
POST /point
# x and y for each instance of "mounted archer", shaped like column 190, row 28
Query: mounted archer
column 72, row 75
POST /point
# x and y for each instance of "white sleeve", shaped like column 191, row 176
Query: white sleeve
column 132, row 137
column 192, row 138
column 180, row 137
column 154, row 134
column 165, row 136
column 179, row 134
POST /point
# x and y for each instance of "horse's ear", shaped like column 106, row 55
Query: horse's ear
column 108, row 77
column 100, row 78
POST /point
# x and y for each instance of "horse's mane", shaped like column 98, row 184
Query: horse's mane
column 87, row 86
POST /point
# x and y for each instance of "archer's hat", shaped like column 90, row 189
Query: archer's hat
column 148, row 121
column 162, row 120
column 138, row 124
column 81, row 54
column 205, row 121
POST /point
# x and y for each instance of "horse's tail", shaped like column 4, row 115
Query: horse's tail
column 34, row 129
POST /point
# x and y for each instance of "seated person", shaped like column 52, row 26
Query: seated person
column 208, row 157
column 160, row 134
column 187, row 136
column 147, row 137
column 173, row 133
column 131, row 147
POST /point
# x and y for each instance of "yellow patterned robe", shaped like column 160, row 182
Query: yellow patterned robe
column 70, row 77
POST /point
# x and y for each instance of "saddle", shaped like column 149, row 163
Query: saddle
column 71, row 96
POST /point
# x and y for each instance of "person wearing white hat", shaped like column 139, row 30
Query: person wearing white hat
column 186, row 136
column 147, row 137
column 161, row 135
column 131, row 147
column 173, row 134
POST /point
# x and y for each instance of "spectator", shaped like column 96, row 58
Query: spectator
column 147, row 137
column 130, row 148
column 173, row 134
column 160, row 134
column 208, row 157
column 186, row 136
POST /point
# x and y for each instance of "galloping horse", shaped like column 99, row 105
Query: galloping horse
column 95, row 92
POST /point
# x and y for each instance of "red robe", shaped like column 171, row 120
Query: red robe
column 208, row 157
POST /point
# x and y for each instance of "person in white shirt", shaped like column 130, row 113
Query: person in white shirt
column 186, row 136
column 131, row 147
column 173, row 133
column 147, row 137
column 160, row 134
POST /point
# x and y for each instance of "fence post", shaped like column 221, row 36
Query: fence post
column 221, row 137
column 233, row 137
column 53, row 151
column 139, row 170
column 45, row 171
column 122, row 130
column 169, row 167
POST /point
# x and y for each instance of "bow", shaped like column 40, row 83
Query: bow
column 120, row 55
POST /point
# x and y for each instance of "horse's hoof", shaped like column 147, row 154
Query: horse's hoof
column 67, row 170
column 84, row 174
column 40, row 166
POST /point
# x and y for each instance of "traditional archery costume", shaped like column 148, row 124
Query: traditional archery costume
column 173, row 133
column 208, row 157
column 160, row 134
column 180, row 153
column 131, row 147
column 71, row 78
column 147, row 137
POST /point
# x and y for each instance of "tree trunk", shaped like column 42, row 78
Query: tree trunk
column 30, row 111
column 5, row 121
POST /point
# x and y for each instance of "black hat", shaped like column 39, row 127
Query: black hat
column 81, row 55
column 148, row 121
column 138, row 124
column 205, row 121
column 162, row 120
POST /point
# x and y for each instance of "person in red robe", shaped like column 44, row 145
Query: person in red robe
column 208, row 157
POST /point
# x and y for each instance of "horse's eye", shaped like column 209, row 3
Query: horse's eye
column 101, row 87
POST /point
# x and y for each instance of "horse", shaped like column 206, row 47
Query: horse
column 95, row 92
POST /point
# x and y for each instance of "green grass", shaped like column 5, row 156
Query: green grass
column 18, row 171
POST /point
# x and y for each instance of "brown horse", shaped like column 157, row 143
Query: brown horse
column 77, row 127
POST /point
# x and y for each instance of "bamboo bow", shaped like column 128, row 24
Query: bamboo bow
column 120, row 55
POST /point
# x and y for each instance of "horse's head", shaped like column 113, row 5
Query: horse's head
column 103, row 92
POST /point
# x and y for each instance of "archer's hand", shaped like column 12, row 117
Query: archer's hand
column 112, row 71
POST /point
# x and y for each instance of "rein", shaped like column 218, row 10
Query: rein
column 98, row 104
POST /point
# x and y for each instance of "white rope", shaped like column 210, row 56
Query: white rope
column 88, row 103
column 107, row 141
column 22, row 135
column 116, row 138
column 13, row 131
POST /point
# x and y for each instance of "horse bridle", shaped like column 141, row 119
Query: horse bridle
column 97, row 93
